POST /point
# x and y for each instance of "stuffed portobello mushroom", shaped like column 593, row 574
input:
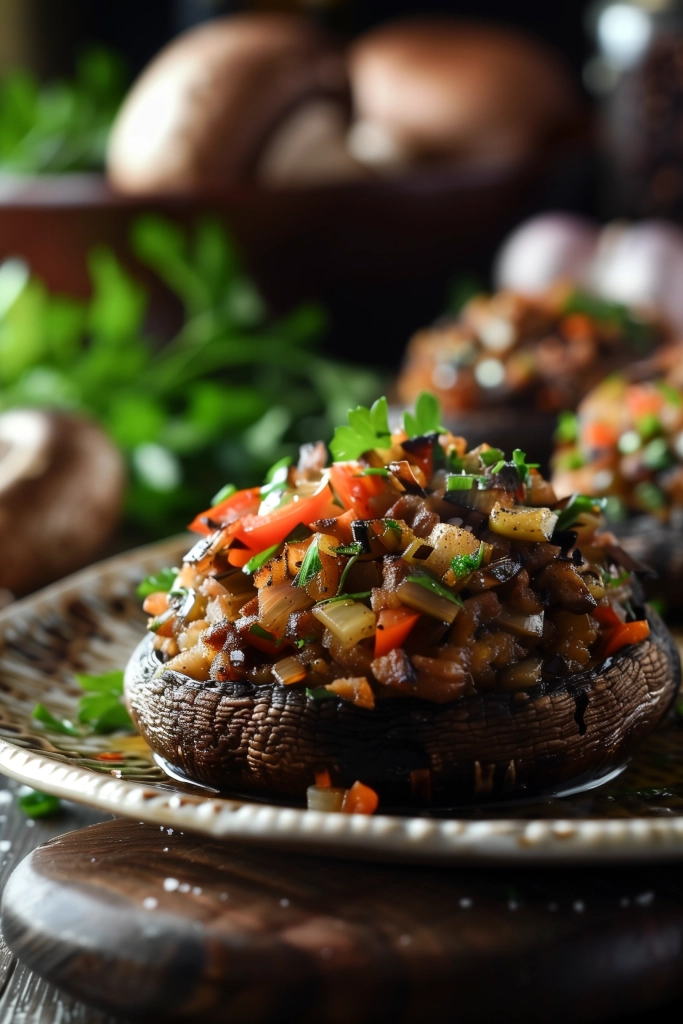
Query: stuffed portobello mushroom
column 511, row 362
column 417, row 624
column 625, row 445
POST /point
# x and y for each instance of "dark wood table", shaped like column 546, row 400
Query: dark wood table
column 26, row 999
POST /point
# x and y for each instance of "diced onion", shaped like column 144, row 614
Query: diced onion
column 276, row 604
column 327, row 799
column 349, row 621
column 533, row 524
column 423, row 600
column 289, row 671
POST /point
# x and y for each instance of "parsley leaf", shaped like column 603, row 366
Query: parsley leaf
column 427, row 417
column 391, row 524
column 263, row 633
column 436, row 588
column 101, row 708
column 576, row 506
column 311, row 565
column 374, row 471
column 356, row 548
column 367, row 429
column 259, row 560
column 61, row 725
column 346, row 597
column 463, row 565
column 460, row 483
column 158, row 582
column 35, row 804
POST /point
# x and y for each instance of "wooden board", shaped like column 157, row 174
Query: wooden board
column 141, row 922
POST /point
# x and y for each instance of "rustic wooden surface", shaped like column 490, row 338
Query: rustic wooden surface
column 532, row 945
column 26, row 999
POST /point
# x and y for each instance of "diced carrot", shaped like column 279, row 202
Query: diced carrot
column 239, row 556
column 355, row 689
column 323, row 780
column 393, row 626
column 109, row 755
column 156, row 604
column 626, row 633
column 599, row 435
column 360, row 799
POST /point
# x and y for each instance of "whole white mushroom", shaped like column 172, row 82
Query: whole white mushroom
column 642, row 265
column 545, row 249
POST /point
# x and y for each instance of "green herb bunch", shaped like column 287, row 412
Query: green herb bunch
column 230, row 393
column 60, row 126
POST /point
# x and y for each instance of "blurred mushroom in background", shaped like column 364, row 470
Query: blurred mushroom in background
column 61, row 491
column 436, row 89
column 251, row 96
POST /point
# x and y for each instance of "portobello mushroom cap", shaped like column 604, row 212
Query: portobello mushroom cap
column 61, row 491
column 267, row 741
column 252, row 96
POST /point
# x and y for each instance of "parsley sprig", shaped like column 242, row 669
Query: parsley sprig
column 160, row 582
column 367, row 429
column 575, row 507
column 427, row 417
column 100, row 710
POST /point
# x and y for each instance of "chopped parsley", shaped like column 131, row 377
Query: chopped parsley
column 460, row 483
column 320, row 693
column 311, row 565
column 492, row 456
column 426, row 419
column 264, row 634
column 567, row 431
column 433, row 586
column 161, row 581
column 374, row 471
column 391, row 524
column 258, row 561
column 463, row 565
column 367, row 429
column 101, row 707
column 356, row 548
column 346, row 597
column 61, row 725
column 576, row 506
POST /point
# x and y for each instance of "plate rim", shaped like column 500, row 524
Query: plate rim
column 380, row 837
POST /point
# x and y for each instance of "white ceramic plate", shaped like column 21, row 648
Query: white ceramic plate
column 92, row 621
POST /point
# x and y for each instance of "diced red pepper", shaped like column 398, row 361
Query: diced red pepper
column 368, row 496
column 261, row 532
column 606, row 615
column 360, row 799
column 241, row 503
column 626, row 633
column 393, row 626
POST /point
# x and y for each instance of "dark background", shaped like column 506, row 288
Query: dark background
column 139, row 27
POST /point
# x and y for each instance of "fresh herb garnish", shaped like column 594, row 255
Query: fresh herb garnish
column 522, row 466
column 614, row 581
column 367, row 429
column 61, row 725
column 391, row 524
column 342, row 579
column 101, row 708
column 310, row 566
column 355, row 548
column 463, row 565
column 460, row 483
column 258, row 561
column 306, row 640
column 432, row 585
column 320, row 693
column 427, row 417
column 35, row 804
column 577, row 505
column 492, row 456
column 224, row 493
column 160, row 582
column 374, row 471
